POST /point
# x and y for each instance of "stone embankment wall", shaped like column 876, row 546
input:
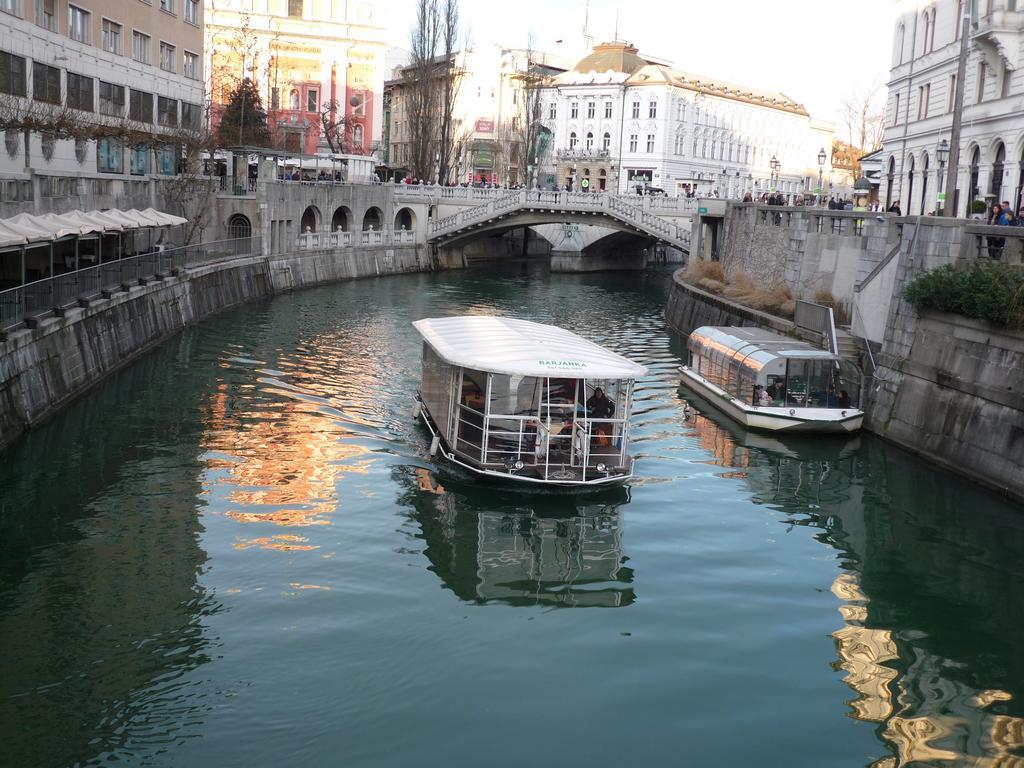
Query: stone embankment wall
column 44, row 368
column 689, row 308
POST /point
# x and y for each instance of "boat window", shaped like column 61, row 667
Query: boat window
column 809, row 383
column 474, row 385
column 436, row 389
column 514, row 395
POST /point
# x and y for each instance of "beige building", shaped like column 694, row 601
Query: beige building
column 84, row 74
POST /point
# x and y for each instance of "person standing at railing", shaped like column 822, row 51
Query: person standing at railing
column 997, row 218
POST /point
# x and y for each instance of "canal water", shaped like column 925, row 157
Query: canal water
column 236, row 552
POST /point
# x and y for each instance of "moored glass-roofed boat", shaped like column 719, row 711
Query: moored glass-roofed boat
column 771, row 382
column 512, row 399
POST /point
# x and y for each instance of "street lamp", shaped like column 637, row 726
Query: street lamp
column 775, row 164
column 821, row 172
column 942, row 151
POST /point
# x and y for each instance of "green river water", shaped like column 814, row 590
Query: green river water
column 225, row 555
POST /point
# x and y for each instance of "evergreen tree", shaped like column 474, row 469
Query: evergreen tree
column 244, row 122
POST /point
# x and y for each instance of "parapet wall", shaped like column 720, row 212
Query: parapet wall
column 44, row 368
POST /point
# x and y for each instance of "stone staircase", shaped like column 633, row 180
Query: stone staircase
column 850, row 347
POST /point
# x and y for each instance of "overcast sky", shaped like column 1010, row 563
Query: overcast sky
column 814, row 51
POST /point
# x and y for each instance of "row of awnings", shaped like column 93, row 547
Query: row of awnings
column 26, row 228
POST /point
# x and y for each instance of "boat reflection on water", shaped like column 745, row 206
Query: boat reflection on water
column 560, row 550
column 928, row 640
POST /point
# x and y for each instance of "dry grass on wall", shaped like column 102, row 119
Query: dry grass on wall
column 738, row 287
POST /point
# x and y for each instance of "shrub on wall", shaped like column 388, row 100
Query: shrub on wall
column 989, row 291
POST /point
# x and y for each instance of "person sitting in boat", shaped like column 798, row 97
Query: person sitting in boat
column 765, row 398
column 828, row 398
column 755, row 399
column 600, row 406
column 844, row 399
column 779, row 392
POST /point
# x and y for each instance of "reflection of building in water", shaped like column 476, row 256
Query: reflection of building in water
column 928, row 716
column 929, row 641
column 527, row 554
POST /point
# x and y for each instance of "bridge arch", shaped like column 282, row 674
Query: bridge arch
column 373, row 219
column 405, row 218
column 310, row 221
column 342, row 219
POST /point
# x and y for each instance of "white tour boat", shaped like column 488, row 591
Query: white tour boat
column 767, row 381
column 517, row 400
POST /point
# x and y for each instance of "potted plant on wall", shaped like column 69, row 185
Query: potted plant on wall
column 978, row 210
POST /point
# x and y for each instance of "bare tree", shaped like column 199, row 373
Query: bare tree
column 419, row 80
column 333, row 125
column 449, row 26
column 863, row 116
column 526, row 124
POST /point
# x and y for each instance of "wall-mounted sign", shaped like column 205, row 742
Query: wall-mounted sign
column 485, row 126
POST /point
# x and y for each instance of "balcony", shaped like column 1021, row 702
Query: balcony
column 998, row 37
column 583, row 155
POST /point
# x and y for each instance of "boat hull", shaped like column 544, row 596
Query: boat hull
column 773, row 419
column 616, row 477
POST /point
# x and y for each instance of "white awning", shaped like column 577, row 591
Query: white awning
column 507, row 345
column 25, row 228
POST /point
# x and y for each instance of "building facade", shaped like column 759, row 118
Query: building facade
column 75, row 79
column 314, row 62
column 488, row 117
column 922, row 90
column 617, row 121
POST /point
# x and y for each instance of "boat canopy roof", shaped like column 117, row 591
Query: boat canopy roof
column 508, row 345
column 755, row 346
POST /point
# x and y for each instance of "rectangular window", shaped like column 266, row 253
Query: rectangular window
column 111, row 36
column 632, row 142
column 591, row 107
column 1004, row 82
column 12, row 74
column 191, row 116
column 165, row 161
column 952, row 93
column 140, row 162
column 140, row 47
column 574, row 110
column 312, row 100
column 167, row 112
column 111, row 99
column 79, row 24
column 80, row 92
column 896, row 111
column 192, row 12
column 45, row 83
column 110, row 156
column 982, row 74
column 11, row 7
column 295, row 8
column 650, row 142
column 636, row 110
column 190, row 65
column 46, row 14
column 607, row 110
column 923, row 94
column 167, row 57
column 652, row 110
column 167, row 5
column 140, row 106
column 552, row 111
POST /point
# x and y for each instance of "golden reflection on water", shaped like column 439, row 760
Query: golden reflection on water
column 277, row 447
column 926, row 715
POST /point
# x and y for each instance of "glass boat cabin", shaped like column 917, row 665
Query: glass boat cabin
column 524, row 401
column 769, row 381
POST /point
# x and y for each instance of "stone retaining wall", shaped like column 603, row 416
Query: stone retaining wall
column 44, row 368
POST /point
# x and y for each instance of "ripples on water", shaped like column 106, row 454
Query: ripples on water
column 238, row 551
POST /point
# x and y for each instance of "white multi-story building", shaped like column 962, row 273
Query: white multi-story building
column 618, row 120
column 919, row 114
column 67, row 68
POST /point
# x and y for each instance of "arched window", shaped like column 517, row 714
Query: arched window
column 293, row 99
column 890, row 176
column 310, row 221
column 590, row 141
column 606, row 141
column 901, row 38
column 573, row 141
column 357, row 139
column 910, row 183
column 373, row 219
column 973, row 191
column 924, row 184
column 996, row 185
column 341, row 219
column 239, row 227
